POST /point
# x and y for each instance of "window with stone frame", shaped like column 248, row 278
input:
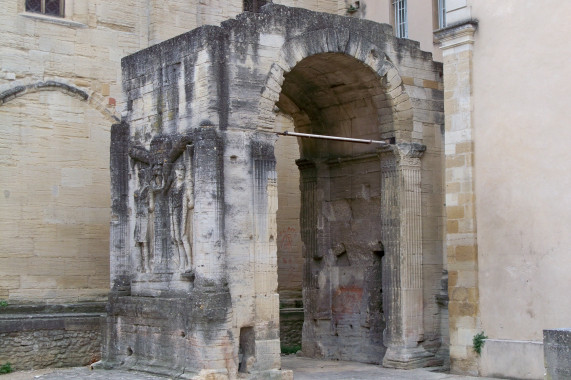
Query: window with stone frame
column 254, row 5
column 46, row 7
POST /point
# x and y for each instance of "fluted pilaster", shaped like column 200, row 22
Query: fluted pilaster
column 401, row 222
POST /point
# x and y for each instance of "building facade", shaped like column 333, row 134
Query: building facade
column 507, row 174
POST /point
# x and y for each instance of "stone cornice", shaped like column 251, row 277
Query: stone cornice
column 456, row 35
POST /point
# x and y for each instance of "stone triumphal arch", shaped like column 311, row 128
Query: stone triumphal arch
column 193, row 234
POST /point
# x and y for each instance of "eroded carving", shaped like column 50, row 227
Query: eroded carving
column 143, row 230
column 164, row 203
column 181, row 210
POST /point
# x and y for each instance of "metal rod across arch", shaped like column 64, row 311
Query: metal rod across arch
column 325, row 137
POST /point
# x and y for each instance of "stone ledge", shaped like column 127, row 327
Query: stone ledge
column 39, row 336
column 20, row 318
column 90, row 307
column 53, row 20
column 76, row 321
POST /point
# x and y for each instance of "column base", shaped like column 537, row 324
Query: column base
column 407, row 357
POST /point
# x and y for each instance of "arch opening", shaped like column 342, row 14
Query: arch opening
column 335, row 94
column 339, row 203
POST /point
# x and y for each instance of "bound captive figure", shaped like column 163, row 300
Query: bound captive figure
column 142, row 231
column 181, row 205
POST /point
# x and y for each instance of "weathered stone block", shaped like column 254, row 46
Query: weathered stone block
column 50, row 336
column 557, row 353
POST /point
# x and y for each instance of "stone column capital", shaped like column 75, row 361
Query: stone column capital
column 457, row 34
column 403, row 151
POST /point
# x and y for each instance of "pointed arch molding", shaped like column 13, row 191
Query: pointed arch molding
column 94, row 100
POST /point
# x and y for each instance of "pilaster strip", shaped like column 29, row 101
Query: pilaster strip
column 457, row 44
column 401, row 223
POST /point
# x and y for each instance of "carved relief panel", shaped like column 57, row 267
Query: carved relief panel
column 163, row 200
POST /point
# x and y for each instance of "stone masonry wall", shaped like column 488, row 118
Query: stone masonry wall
column 54, row 246
column 38, row 337
column 290, row 260
column 39, row 348
column 289, row 245
column 461, row 237
column 55, row 204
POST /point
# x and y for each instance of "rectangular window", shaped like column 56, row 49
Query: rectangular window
column 401, row 24
column 47, row 7
column 441, row 14
column 254, row 5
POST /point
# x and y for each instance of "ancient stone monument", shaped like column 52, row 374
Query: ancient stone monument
column 193, row 235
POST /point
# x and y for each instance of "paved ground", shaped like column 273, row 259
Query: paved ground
column 303, row 369
column 311, row 369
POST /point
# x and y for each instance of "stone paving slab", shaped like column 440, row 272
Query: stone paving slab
column 311, row 369
column 80, row 373
column 303, row 369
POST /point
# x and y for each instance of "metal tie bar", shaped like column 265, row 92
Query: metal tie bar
column 325, row 137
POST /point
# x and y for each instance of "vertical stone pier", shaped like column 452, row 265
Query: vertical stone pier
column 402, row 263
column 461, row 226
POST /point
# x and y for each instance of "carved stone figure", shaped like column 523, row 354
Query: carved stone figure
column 155, row 189
column 142, row 225
column 181, row 208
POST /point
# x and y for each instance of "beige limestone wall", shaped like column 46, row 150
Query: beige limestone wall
column 85, row 47
column 461, row 233
column 54, row 243
column 290, row 260
column 522, row 169
column 54, row 208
